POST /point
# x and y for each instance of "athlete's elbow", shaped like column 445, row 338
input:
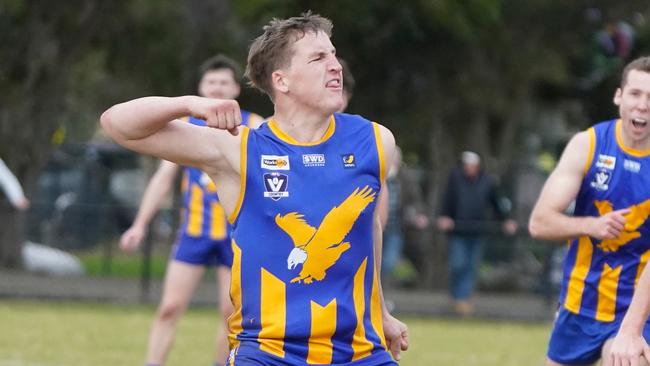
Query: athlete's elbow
column 106, row 121
column 536, row 226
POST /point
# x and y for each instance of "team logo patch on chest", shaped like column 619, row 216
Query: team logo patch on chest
column 276, row 185
column 349, row 161
column 601, row 180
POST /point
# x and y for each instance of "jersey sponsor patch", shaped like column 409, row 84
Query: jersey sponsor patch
column 275, row 162
column 601, row 180
column 275, row 185
column 631, row 165
column 606, row 162
column 349, row 161
column 313, row 159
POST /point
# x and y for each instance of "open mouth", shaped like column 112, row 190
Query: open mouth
column 334, row 83
column 639, row 122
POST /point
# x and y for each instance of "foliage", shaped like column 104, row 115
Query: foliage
column 429, row 70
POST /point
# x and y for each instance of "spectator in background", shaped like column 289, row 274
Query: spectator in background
column 12, row 188
column 402, row 207
column 464, row 216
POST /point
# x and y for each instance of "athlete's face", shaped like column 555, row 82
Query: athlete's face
column 633, row 102
column 314, row 77
column 219, row 84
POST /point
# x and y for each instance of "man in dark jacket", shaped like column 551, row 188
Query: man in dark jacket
column 464, row 216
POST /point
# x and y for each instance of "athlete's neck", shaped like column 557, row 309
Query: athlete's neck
column 302, row 126
column 631, row 143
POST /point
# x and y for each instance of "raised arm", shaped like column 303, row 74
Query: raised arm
column 395, row 331
column 150, row 126
column 549, row 220
column 157, row 189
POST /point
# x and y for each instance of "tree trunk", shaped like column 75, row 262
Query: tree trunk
column 11, row 236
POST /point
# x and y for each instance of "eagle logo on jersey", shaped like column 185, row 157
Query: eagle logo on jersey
column 633, row 220
column 318, row 249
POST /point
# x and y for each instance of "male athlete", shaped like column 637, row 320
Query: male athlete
column 301, row 193
column 606, row 170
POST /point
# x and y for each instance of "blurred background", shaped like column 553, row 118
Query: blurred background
column 511, row 80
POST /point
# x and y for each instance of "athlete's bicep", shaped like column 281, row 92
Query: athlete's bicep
column 564, row 183
column 187, row 144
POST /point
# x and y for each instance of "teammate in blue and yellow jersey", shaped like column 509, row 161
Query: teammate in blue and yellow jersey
column 301, row 192
column 204, row 236
column 606, row 170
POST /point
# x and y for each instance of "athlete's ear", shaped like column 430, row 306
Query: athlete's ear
column 279, row 81
column 617, row 96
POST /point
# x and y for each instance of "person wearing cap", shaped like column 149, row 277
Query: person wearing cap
column 464, row 217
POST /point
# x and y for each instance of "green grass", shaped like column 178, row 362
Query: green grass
column 122, row 265
column 61, row 334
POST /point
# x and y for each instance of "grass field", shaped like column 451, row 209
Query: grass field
column 62, row 334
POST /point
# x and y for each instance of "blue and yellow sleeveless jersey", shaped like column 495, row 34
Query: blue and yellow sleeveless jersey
column 202, row 215
column 600, row 276
column 304, row 284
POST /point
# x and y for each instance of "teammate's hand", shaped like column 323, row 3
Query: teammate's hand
column 627, row 350
column 397, row 337
column 132, row 238
column 607, row 226
column 223, row 114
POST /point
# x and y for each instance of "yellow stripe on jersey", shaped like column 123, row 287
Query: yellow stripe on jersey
column 218, row 224
column 195, row 211
column 235, row 320
column 243, row 149
column 592, row 148
column 607, row 286
column 643, row 260
column 323, row 326
column 578, row 275
column 360, row 344
column 375, row 310
column 380, row 152
column 273, row 314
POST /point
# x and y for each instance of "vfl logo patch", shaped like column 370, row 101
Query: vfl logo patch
column 606, row 161
column 275, row 162
column 349, row 161
column 631, row 165
column 601, row 180
column 313, row 159
column 276, row 185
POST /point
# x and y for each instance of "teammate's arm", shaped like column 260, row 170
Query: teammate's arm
column 548, row 220
column 157, row 189
column 395, row 331
column 629, row 344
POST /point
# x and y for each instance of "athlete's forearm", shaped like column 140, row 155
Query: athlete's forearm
column 157, row 189
column 639, row 310
column 549, row 225
column 142, row 117
column 377, row 247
